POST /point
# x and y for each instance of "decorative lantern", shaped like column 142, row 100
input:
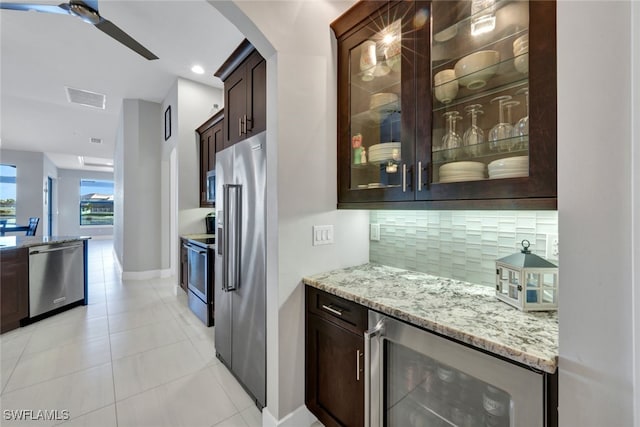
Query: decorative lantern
column 527, row 281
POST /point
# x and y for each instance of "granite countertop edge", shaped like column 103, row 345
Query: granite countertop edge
column 528, row 358
column 19, row 242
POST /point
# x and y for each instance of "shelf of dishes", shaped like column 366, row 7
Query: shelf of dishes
column 462, row 171
column 450, row 91
column 459, row 25
column 485, row 151
column 481, row 70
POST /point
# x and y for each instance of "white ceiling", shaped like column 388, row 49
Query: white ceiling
column 42, row 53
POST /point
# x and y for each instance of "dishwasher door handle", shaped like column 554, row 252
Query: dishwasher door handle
column 45, row 251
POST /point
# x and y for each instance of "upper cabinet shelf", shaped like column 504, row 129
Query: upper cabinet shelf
column 466, row 92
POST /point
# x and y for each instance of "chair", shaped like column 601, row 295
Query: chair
column 33, row 225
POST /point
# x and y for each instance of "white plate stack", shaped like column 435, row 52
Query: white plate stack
column 461, row 171
column 384, row 152
column 509, row 167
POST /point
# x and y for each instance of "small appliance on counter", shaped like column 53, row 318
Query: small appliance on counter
column 210, row 222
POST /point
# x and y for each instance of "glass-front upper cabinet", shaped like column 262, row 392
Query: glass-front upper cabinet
column 447, row 104
column 493, row 100
column 377, row 117
column 480, row 69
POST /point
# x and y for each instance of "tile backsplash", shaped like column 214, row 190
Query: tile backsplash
column 462, row 245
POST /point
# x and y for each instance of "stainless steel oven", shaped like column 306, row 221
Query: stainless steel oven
column 199, row 280
column 416, row 378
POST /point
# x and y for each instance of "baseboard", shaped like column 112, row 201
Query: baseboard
column 301, row 417
column 140, row 275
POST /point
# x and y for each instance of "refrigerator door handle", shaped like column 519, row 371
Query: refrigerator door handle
column 224, row 243
column 234, row 215
column 372, row 377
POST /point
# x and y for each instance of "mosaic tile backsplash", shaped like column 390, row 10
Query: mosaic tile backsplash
column 462, row 245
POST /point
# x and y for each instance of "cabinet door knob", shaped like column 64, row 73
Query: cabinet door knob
column 419, row 176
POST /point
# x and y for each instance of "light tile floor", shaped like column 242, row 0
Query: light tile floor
column 135, row 356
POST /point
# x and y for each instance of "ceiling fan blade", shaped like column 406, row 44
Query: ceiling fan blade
column 112, row 30
column 45, row 8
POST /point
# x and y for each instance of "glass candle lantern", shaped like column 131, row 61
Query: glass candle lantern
column 527, row 281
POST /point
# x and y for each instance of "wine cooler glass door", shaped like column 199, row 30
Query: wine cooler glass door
column 419, row 379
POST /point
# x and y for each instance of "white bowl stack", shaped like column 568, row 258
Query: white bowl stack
column 510, row 167
column 383, row 104
column 461, row 171
column 384, row 152
column 521, row 54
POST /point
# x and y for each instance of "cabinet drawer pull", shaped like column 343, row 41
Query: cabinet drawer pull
column 358, row 356
column 419, row 176
column 239, row 126
column 330, row 309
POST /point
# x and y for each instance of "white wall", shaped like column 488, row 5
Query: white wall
column 595, row 214
column 137, row 180
column 68, row 189
column 49, row 170
column 29, row 184
column 299, row 46
column 191, row 105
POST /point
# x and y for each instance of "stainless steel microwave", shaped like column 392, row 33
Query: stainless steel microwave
column 211, row 186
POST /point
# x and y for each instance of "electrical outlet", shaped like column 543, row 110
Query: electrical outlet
column 374, row 232
column 322, row 235
column 553, row 246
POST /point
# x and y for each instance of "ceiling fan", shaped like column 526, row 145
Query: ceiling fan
column 87, row 10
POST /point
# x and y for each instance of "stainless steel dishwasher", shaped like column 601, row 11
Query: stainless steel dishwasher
column 56, row 276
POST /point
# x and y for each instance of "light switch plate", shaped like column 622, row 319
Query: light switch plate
column 322, row 235
column 374, row 232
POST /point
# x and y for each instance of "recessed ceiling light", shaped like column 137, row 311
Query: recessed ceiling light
column 197, row 69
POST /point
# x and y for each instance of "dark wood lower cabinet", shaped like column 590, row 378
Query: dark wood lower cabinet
column 14, row 288
column 334, row 372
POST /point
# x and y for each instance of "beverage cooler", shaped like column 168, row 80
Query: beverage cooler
column 419, row 379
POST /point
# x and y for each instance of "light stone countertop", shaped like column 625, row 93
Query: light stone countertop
column 466, row 312
column 14, row 242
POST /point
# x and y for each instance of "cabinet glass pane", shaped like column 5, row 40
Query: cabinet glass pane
column 375, row 83
column 480, row 80
column 422, row 392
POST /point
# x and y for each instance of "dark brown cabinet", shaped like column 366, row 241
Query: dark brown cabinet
column 211, row 141
column 14, row 288
column 244, row 76
column 334, row 345
column 446, row 104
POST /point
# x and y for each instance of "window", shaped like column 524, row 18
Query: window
column 96, row 202
column 8, row 193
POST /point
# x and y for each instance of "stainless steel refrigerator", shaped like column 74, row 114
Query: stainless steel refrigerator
column 240, row 273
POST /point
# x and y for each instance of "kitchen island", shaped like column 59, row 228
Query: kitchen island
column 41, row 276
column 463, row 311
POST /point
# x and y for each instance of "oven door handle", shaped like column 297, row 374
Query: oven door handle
column 376, row 332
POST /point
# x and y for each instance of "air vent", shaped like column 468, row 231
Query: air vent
column 95, row 140
column 86, row 98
